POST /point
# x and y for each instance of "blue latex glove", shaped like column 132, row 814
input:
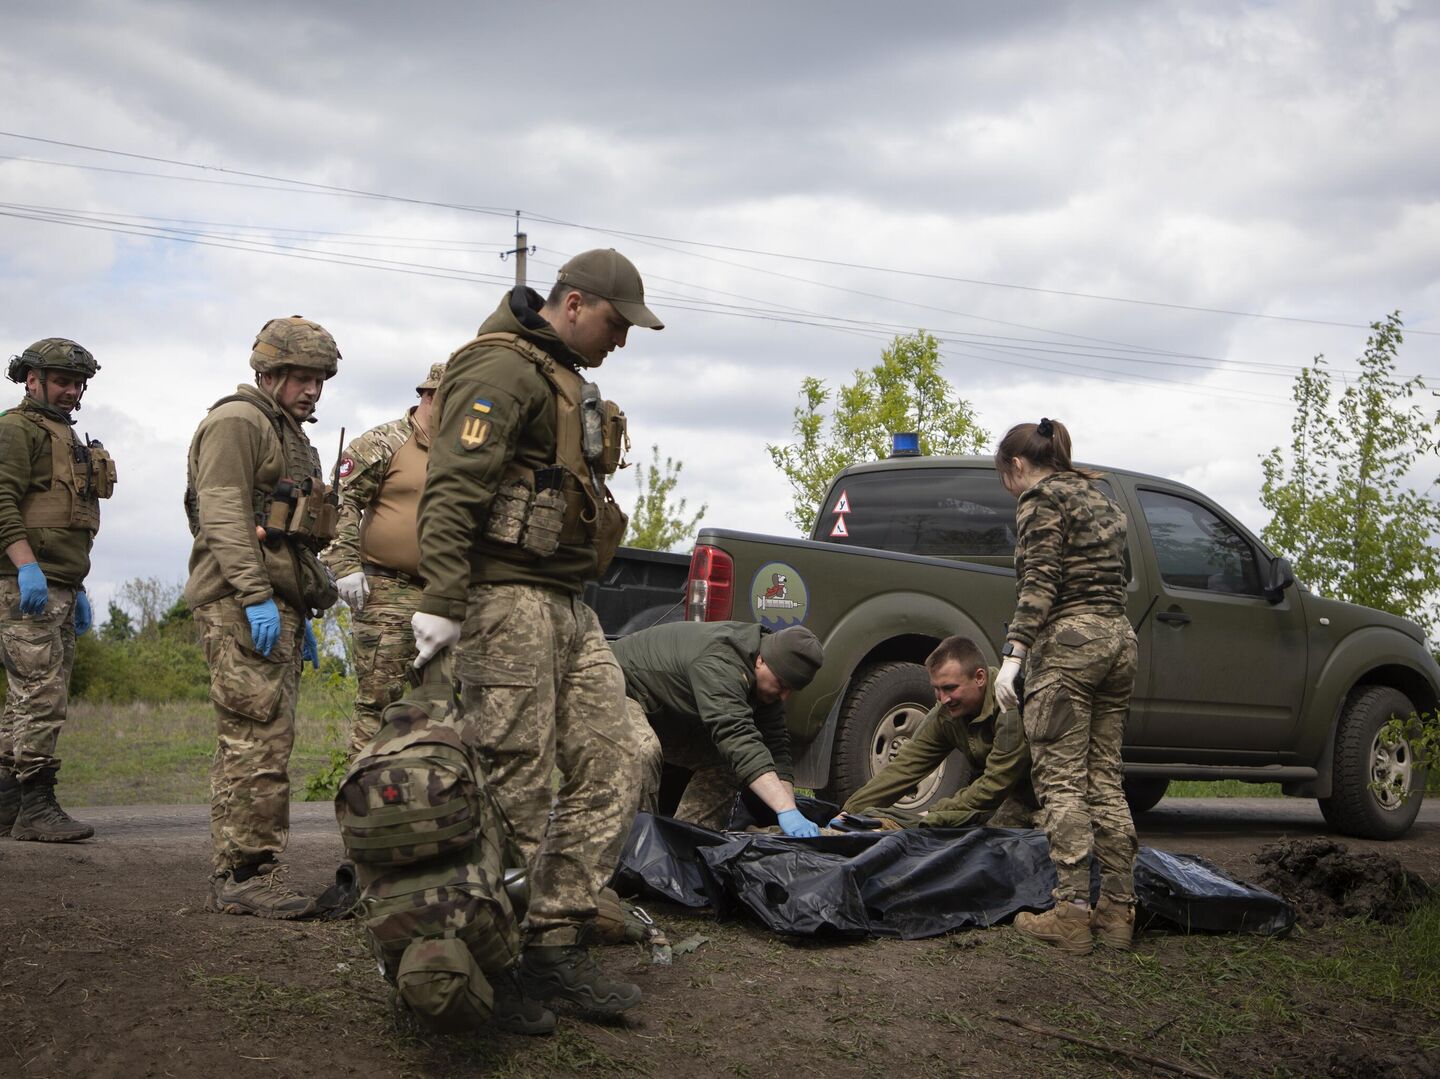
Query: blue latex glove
column 82, row 614
column 34, row 589
column 310, row 650
column 835, row 822
column 264, row 625
column 793, row 822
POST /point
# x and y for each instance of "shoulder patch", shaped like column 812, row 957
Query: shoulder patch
column 473, row 432
column 481, row 405
column 347, row 466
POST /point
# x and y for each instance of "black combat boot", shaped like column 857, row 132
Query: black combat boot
column 9, row 800
column 41, row 817
column 568, row 973
column 513, row 1011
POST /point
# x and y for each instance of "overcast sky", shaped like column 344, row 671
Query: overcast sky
column 1233, row 188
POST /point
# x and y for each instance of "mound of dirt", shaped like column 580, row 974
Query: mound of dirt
column 1323, row 880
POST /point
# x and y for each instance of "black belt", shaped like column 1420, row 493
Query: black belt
column 394, row 574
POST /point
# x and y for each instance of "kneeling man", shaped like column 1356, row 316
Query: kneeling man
column 965, row 717
column 714, row 693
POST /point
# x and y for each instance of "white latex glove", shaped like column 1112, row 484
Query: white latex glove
column 432, row 633
column 354, row 589
column 1005, row 684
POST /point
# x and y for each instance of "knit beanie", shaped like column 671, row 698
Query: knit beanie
column 794, row 654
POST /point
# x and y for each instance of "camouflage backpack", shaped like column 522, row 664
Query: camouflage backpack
column 429, row 845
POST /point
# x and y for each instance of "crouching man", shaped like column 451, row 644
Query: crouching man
column 714, row 693
column 966, row 717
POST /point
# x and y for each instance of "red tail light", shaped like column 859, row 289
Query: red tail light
column 711, row 592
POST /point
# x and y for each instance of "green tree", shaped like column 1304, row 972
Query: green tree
column 905, row 391
column 118, row 625
column 1343, row 508
column 658, row 523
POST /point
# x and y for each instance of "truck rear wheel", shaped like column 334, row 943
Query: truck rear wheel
column 883, row 711
column 1376, row 786
column 1144, row 792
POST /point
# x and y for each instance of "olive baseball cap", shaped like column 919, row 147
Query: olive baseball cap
column 608, row 274
column 432, row 380
column 794, row 655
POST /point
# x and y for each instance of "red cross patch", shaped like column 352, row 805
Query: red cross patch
column 347, row 466
column 391, row 794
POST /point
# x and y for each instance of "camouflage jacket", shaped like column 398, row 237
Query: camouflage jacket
column 493, row 390
column 362, row 471
column 693, row 677
column 25, row 467
column 993, row 743
column 1069, row 554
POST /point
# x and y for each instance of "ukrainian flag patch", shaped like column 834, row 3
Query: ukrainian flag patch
column 482, row 406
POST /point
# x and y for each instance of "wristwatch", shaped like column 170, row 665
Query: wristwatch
column 1009, row 650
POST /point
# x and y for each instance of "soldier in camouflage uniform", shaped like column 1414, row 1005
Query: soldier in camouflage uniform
column 50, row 486
column 715, row 693
column 376, row 554
column 1078, row 649
column 259, row 509
column 967, row 718
column 515, row 518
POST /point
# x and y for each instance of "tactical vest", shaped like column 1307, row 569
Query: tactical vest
column 591, row 437
column 299, row 507
column 81, row 473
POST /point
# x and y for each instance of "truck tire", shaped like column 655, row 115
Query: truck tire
column 883, row 711
column 1144, row 792
column 1363, row 763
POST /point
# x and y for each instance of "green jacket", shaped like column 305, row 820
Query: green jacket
column 514, row 407
column 700, row 676
column 235, row 455
column 25, row 466
column 994, row 744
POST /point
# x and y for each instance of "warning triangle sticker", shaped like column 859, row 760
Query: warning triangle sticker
column 840, row 530
column 842, row 505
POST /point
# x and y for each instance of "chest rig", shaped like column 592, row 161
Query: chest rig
column 300, row 507
column 568, row 503
column 81, row 473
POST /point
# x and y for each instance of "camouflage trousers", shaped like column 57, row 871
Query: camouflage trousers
column 39, row 652
column 254, row 698
column 540, row 690
column 384, row 650
column 709, row 796
column 1078, row 678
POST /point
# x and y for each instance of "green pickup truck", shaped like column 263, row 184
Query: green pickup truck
column 1243, row 673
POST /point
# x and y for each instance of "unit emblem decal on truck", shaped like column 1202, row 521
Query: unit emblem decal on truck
column 777, row 596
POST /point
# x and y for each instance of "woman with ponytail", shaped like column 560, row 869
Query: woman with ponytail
column 1077, row 649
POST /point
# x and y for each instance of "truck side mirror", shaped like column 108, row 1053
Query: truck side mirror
column 1279, row 578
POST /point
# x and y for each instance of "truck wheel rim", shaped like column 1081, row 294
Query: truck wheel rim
column 895, row 728
column 1391, row 767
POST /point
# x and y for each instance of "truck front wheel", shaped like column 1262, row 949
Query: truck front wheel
column 1377, row 785
column 883, row 711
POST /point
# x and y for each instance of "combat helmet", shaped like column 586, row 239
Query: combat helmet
column 53, row 354
column 295, row 342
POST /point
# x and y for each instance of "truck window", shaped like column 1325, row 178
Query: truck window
column 947, row 513
column 1196, row 549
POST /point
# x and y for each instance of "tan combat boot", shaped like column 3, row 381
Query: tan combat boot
column 1064, row 925
column 259, row 890
column 1113, row 924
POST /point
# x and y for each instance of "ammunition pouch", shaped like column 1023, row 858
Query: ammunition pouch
column 303, row 512
column 81, row 473
column 317, row 583
column 528, row 520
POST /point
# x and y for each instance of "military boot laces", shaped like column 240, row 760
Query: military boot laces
column 569, row 973
column 9, row 800
column 263, row 893
column 516, row 1013
column 1113, row 924
column 40, row 816
column 1064, row 925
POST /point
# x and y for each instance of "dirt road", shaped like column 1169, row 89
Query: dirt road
column 111, row 968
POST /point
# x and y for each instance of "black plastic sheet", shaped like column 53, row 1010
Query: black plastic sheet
column 913, row 883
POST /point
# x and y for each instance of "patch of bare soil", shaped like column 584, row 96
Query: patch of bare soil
column 1323, row 880
column 110, row 967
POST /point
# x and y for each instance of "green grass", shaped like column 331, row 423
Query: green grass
column 139, row 753
column 1222, row 788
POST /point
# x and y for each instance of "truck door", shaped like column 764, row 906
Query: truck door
column 1226, row 666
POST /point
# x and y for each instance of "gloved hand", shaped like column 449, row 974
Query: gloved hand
column 34, row 589
column 354, row 589
column 793, row 822
column 837, row 820
column 264, row 625
column 1005, row 694
column 432, row 633
column 83, row 616
column 310, row 649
